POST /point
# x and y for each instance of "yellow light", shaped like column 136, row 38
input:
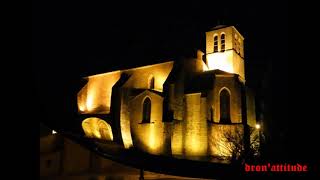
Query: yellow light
column 205, row 67
column 257, row 126
column 54, row 132
column 220, row 61
column 159, row 81
column 195, row 145
column 126, row 134
column 152, row 138
column 90, row 100
column 81, row 107
column 97, row 134
column 97, row 128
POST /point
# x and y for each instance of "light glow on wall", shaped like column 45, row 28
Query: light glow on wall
column 82, row 107
column 90, row 100
column 204, row 67
column 195, row 146
column 125, row 128
column 159, row 81
column 96, row 133
column 95, row 96
column 126, row 137
column 195, row 136
column 220, row 61
column 176, row 139
column 152, row 138
column 97, row 128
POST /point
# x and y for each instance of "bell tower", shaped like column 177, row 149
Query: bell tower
column 224, row 50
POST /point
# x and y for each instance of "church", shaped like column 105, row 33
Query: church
column 179, row 108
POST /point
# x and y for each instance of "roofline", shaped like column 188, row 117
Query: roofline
column 126, row 70
column 225, row 26
column 102, row 74
column 146, row 66
column 237, row 31
column 145, row 91
column 219, row 27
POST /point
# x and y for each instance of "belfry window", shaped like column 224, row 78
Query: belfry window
column 215, row 44
column 225, row 107
column 223, row 46
column 146, row 112
column 151, row 83
column 236, row 42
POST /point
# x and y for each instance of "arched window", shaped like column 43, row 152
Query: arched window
column 223, row 46
column 151, row 83
column 215, row 44
column 146, row 112
column 225, row 107
column 236, row 43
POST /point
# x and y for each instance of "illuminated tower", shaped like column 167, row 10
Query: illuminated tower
column 224, row 50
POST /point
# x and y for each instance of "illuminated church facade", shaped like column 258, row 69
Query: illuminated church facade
column 181, row 108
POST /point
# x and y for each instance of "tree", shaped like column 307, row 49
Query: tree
column 234, row 142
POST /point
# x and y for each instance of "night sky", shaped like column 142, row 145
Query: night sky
column 71, row 40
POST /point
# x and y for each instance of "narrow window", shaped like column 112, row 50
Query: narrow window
column 223, row 46
column 151, row 83
column 225, row 107
column 215, row 44
column 235, row 43
column 146, row 110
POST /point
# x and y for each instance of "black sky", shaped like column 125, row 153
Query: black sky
column 71, row 40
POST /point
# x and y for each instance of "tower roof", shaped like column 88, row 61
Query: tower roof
column 225, row 26
column 219, row 27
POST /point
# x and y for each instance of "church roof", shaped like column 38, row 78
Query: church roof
column 204, row 81
column 136, row 92
column 216, row 71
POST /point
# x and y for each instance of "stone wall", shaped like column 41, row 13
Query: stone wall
column 195, row 126
column 95, row 96
column 147, row 136
column 69, row 155
column 232, row 86
column 189, row 136
column 140, row 76
column 177, row 139
column 125, row 124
